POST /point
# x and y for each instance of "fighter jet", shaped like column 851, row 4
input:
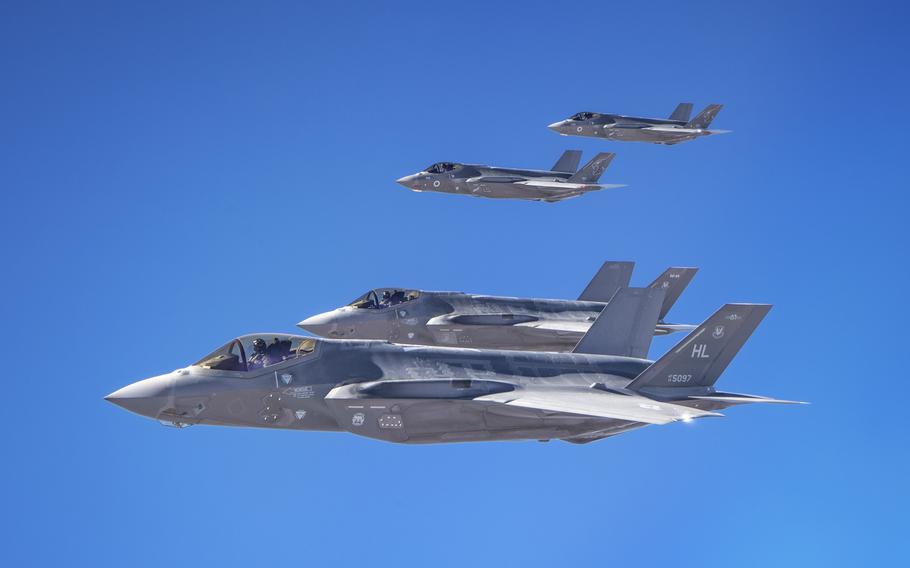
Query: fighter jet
column 490, row 322
column 562, row 182
column 673, row 130
column 415, row 395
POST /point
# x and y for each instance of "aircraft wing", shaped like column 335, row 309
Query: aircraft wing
column 598, row 403
column 583, row 326
column 567, row 186
column 683, row 130
column 495, row 179
column 551, row 325
column 481, row 319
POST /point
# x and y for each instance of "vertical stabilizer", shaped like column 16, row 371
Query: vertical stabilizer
column 609, row 279
column 700, row 358
column 593, row 169
column 704, row 118
column 626, row 326
column 673, row 281
column 568, row 162
column 682, row 113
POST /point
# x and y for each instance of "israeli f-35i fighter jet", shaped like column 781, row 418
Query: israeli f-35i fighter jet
column 673, row 130
column 490, row 322
column 562, row 182
column 418, row 395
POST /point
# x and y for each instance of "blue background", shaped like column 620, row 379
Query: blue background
column 175, row 174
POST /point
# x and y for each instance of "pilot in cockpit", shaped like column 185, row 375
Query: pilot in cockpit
column 260, row 355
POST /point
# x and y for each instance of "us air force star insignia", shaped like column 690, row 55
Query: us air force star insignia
column 287, row 378
column 718, row 331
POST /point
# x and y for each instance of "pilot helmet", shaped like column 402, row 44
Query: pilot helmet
column 259, row 345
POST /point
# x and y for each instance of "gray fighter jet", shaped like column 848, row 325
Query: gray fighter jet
column 412, row 394
column 678, row 128
column 489, row 322
column 562, row 182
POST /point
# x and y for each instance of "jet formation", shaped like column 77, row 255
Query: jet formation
column 415, row 366
column 564, row 180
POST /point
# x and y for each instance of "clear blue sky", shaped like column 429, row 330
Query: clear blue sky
column 175, row 174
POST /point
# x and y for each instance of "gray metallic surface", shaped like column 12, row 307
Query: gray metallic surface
column 414, row 394
column 513, row 183
column 619, row 127
column 494, row 322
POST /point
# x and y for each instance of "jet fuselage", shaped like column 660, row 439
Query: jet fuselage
column 495, row 182
column 637, row 129
column 390, row 392
column 467, row 320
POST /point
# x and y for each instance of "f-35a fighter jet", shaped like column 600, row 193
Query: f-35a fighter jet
column 562, row 182
column 678, row 128
column 490, row 322
column 417, row 395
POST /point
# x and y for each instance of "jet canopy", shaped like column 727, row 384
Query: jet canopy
column 251, row 352
column 383, row 298
column 441, row 167
column 584, row 116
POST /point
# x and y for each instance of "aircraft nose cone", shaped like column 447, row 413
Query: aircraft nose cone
column 320, row 324
column 407, row 181
column 557, row 126
column 146, row 398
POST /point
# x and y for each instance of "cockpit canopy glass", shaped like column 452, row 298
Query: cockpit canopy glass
column 441, row 167
column 252, row 352
column 584, row 116
column 384, row 298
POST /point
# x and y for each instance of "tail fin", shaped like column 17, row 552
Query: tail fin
column 609, row 279
column 593, row 169
column 626, row 326
column 673, row 281
column 700, row 358
column 568, row 162
column 704, row 118
column 682, row 113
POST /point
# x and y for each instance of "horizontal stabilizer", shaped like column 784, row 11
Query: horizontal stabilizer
column 667, row 328
column 745, row 399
